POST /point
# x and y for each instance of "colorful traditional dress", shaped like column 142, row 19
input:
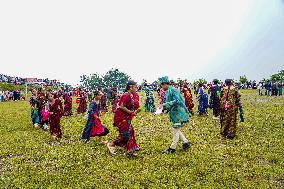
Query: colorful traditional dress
column 94, row 126
column 150, row 102
column 188, row 99
column 104, row 104
column 67, row 104
column 214, row 103
column 82, row 108
column 42, row 103
column 115, row 104
column 203, row 102
column 35, row 113
column 122, row 121
column 230, row 104
column 179, row 114
column 56, row 111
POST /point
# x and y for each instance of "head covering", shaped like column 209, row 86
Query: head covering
column 164, row 79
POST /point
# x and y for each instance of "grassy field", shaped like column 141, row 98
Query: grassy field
column 30, row 158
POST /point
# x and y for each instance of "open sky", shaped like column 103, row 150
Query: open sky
column 63, row 39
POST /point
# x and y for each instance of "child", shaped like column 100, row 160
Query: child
column 214, row 103
column 203, row 100
column 45, row 117
column 188, row 98
column 179, row 114
column 94, row 126
column 115, row 104
column 55, row 112
column 35, row 114
column 150, row 102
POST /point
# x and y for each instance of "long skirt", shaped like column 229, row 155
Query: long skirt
column 35, row 116
column 228, row 120
column 55, row 128
column 203, row 106
column 216, row 108
column 68, row 109
column 126, row 137
column 94, row 128
column 82, row 108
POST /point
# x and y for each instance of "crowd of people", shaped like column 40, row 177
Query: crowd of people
column 175, row 99
column 270, row 88
column 20, row 80
column 11, row 95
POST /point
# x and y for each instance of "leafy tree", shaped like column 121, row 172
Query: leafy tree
column 243, row 79
column 92, row 82
column 115, row 78
column 203, row 81
column 276, row 77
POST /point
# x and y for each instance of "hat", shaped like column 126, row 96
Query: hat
column 164, row 79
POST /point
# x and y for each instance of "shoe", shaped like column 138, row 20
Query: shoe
column 185, row 146
column 215, row 118
column 35, row 125
column 169, row 151
column 111, row 149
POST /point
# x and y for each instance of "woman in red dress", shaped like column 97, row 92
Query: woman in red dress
column 188, row 99
column 67, row 104
column 55, row 112
column 82, row 100
column 128, row 106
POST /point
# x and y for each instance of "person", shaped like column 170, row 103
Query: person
column 67, row 104
column 214, row 103
column 34, row 103
column 115, row 104
column 15, row 95
column 128, row 107
column 42, row 102
column 103, row 101
column 260, row 89
column 45, row 117
column 150, row 102
column 203, row 100
column 188, row 99
column 230, row 104
column 267, row 88
column 274, row 89
column 280, row 88
column 1, row 96
column 55, row 112
column 94, row 126
column 82, row 99
column 179, row 114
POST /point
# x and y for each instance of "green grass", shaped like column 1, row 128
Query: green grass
column 30, row 158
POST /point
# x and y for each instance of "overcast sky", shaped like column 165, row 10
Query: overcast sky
column 147, row 39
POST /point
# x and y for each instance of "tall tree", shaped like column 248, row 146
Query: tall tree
column 92, row 82
column 115, row 78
